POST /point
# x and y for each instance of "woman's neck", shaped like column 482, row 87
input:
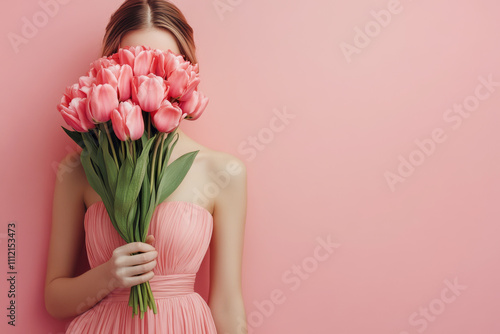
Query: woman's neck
column 182, row 135
column 184, row 139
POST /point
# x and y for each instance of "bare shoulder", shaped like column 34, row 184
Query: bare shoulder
column 70, row 169
column 220, row 162
column 214, row 161
column 228, row 173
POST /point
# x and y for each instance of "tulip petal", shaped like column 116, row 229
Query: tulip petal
column 167, row 117
column 135, row 123
column 118, row 125
column 150, row 92
column 124, row 82
column 178, row 81
column 102, row 100
column 200, row 108
column 142, row 63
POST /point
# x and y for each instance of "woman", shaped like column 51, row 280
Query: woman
column 208, row 208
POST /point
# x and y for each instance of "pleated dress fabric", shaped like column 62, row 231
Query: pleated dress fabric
column 182, row 232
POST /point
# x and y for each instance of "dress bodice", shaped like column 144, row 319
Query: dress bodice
column 182, row 232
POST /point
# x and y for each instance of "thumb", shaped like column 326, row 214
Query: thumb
column 150, row 239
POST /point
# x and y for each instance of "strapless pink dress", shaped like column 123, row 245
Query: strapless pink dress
column 182, row 232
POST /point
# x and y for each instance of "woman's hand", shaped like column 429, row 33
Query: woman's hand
column 129, row 270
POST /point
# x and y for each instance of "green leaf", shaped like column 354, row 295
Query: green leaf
column 137, row 223
column 90, row 144
column 168, row 152
column 168, row 140
column 170, row 148
column 96, row 183
column 111, row 168
column 100, row 158
column 135, row 182
column 132, row 222
column 121, row 155
column 103, row 168
column 151, row 209
column 92, row 177
column 75, row 136
column 121, row 203
column 145, row 196
column 144, row 138
column 129, row 182
column 174, row 174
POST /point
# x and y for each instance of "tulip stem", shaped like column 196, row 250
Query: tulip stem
column 96, row 134
column 111, row 144
column 154, row 160
column 135, row 153
column 149, row 125
column 123, row 149
column 131, row 146
column 162, row 138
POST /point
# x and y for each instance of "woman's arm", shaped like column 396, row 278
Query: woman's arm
column 225, row 298
column 65, row 295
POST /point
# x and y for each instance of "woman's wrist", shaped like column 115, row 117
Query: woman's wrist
column 108, row 282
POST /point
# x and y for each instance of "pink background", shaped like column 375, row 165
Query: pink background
column 320, row 174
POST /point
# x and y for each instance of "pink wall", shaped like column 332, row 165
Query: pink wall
column 409, row 99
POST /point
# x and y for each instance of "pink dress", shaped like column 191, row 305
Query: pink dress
column 182, row 232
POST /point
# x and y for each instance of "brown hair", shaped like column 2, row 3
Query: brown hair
column 138, row 14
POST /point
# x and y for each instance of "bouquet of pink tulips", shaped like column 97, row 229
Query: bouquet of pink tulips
column 109, row 109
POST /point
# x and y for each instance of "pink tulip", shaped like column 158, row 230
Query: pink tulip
column 74, row 114
column 188, row 67
column 138, row 49
column 108, row 76
column 100, row 63
column 73, row 91
column 182, row 83
column 167, row 117
column 114, row 57
column 172, row 62
column 128, row 54
column 126, row 57
column 158, row 67
column 127, row 121
column 146, row 79
column 149, row 91
column 101, row 101
column 142, row 63
column 195, row 106
column 86, row 83
column 119, row 77
column 125, row 82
